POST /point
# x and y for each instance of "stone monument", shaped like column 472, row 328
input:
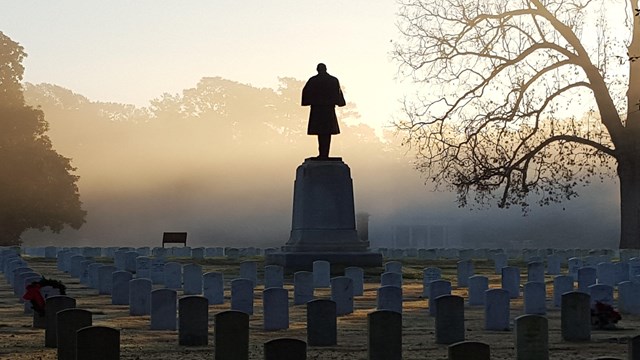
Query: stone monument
column 323, row 225
column 324, row 221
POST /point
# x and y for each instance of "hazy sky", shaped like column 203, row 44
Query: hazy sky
column 131, row 51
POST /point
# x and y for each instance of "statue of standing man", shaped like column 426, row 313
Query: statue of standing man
column 322, row 92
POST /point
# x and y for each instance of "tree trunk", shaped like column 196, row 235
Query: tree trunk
column 629, row 174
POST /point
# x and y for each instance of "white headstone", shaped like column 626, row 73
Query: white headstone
column 561, row 284
column 192, row 279
column 554, row 263
column 532, row 337
column 629, row 297
column 535, row 272
column 213, row 285
column 276, row 308
column 143, row 267
column 242, row 295
column 465, row 270
column 535, row 294
column 393, row 266
column 499, row 261
column 105, row 279
column 573, row 265
column 391, row 279
column 429, row 275
column 601, row 293
column 478, row 284
column 302, row 287
column 130, row 261
column 273, row 276
column 156, row 271
column 496, row 310
column 606, row 273
column 389, row 298
column 92, row 270
column 586, row 277
column 342, row 294
column 140, row 297
column 437, row 288
column 321, row 274
column 511, row 281
column 164, row 308
column 356, row 275
column 120, row 287
column 173, row 275
column 249, row 270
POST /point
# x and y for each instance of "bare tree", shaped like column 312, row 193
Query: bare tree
column 522, row 101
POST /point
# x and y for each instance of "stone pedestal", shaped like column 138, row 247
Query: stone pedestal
column 323, row 224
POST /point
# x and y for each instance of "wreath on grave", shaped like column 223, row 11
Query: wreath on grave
column 604, row 316
column 34, row 295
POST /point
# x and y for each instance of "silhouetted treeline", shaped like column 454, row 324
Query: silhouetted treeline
column 219, row 161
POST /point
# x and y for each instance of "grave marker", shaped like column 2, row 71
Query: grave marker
column 535, row 272
column 321, row 323
column 561, row 285
column 143, row 267
column 173, row 275
column 499, row 261
column 449, row 327
column 575, row 316
column 342, row 294
column 437, row 288
column 276, row 308
column 384, row 340
column 532, row 337
column 213, row 285
column 389, row 298
column 321, row 274
column 120, row 287
column 601, row 293
column 356, row 275
column 242, row 295
column 193, row 324
column 192, row 279
column 429, row 275
column 586, row 277
column 163, row 309
column 140, row 297
column 69, row 322
column 302, row 287
column 105, row 279
column 511, row 281
column 97, row 343
column 393, row 266
column 465, row 270
column 249, row 270
column 496, row 310
column 51, row 308
column 285, row 349
column 478, row 284
column 273, row 276
column 535, row 298
column 231, row 335
column 391, row 279
column 469, row 350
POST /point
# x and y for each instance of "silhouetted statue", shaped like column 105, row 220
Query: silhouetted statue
column 322, row 92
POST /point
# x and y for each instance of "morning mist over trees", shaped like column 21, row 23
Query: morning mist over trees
column 218, row 161
column 212, row 148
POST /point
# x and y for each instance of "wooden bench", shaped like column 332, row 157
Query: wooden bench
column 174, row 238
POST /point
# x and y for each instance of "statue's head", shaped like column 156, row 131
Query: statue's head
column 322, row 68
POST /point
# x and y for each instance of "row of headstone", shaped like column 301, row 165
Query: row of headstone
column 594, row 256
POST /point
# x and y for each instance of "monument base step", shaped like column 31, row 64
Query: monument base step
column 296, row 261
